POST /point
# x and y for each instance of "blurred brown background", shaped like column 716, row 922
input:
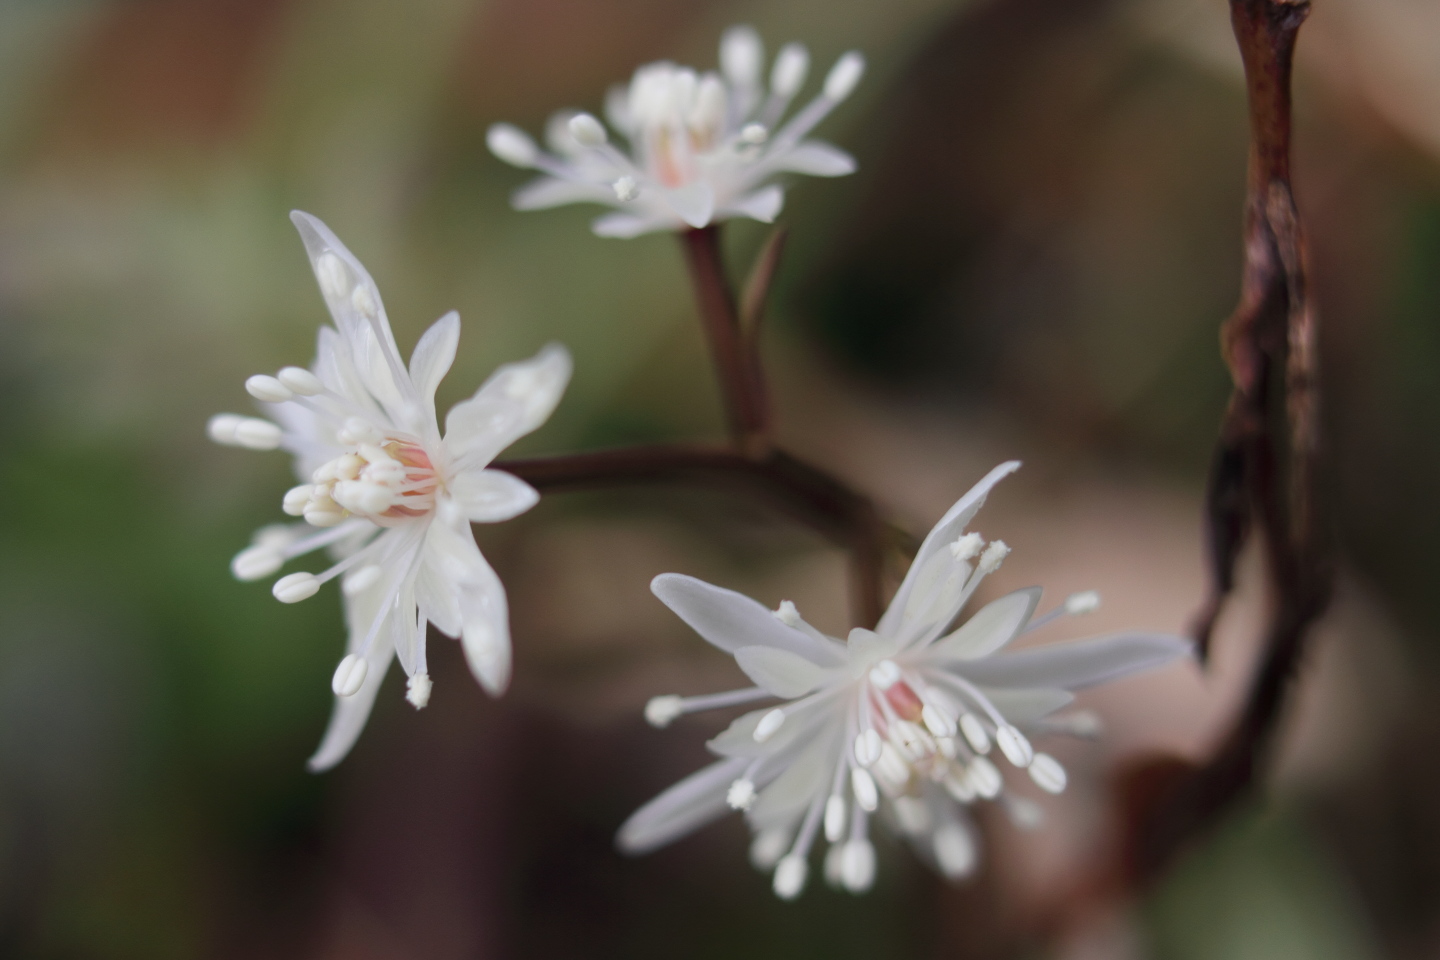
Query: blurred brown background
column 1032, row 261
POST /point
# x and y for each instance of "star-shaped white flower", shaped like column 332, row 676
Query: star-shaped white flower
column 700, row 147
column 905, row 722
column 391, row 499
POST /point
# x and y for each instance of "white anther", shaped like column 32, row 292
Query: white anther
column 833, row 865
column 967, row 546
column 373, row 453
column 1013, row 744
column 754, row 134
column 268, row 389
column 257, row 434
column 975, row 733
column 276, row 536
column 334, row 277
column 221, row 428
column 358, row 430
column 938, row 722
column 364, row 302
column 256, row 562
column 361, row 497
column 417, row 690
column 769, row 725
column 891, row 768
column 867, row 747
column 867, row 795
column 301, row 381
column 957, row 784
column 947, row 746
column 1083, row 602
column 954, row 850
column 324, row 514
column 740, row 53
column 789, row 71
column 790, row 875
column 993, row 556
column 626, row 189
column 843, row 77
column 1047, row 773
column 661, row 711
column 741, row 795
column 361, row 580
column 985, row 778
column 767, row 848
column 885, row 674
column 349, row 676
column 296, row 499
column 787, row 614
column 1025, row 813
column 912, row 814
column 587, row 131
column 857, row 865
column 295, row 587
column 834, row 817
column 512, row 145
column 913, row 742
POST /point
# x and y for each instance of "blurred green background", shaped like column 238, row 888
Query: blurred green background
column 1033, row 259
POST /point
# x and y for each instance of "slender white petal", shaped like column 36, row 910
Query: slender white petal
column 732, row 620
column 546, row 192
column 814, row 158
column 516, row 399
column 763, row 205
column 689, row 804
column 432, row 358
column 781, row 672
column 1080, row 663
column 489, row 496
column 991, row 628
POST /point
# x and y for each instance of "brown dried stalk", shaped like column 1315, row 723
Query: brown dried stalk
column 806, row 493
column 1264, row 472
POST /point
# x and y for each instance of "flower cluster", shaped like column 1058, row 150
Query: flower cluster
column 390, row 497
column 701, row 147
column 901, row 722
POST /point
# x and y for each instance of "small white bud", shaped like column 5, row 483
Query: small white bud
column 867, row 795
column 1082, row 602
column 885, row 674
column 912, row 814
column 349, row 676
column 254, row 563
column 361, row 580
column 1014, row 745
column 295, row 587
column 257, row 434
column 834, row 817
column 867, row 747
column 768, row 847
column 857, row 866
column 301, row 381
column 1047, row 773
column 296, row 499
column 975, row 733
column 741, row 794
column 844, row 75
column 267, row 389
column 769, row 725
column 788, row 74
column 937, row 721
column 587, row 131
column 954, row 850
column 626, row 189
column 993, row 556
column 967, row 546
column 661, row 711
column 985, row 778
column 417, row 690
column 790, row 875
column 512, row 145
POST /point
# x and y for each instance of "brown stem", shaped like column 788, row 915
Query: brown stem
column 742, row 391
column 809, row 495
column 1266, row 460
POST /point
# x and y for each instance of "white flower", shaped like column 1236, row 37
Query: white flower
column 701, row 147
column 899, row 722
column 391, row 499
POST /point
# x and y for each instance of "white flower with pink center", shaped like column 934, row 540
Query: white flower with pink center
column 905, row 722
column 698, row 147
column 390, row 497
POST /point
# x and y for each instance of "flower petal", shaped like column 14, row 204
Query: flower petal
column 1079, row 663
column 991, row 628
column 348, row 717
column 1026, row 706
column 689, row 804
column 490, row 496
column 949, row 529
column 806, row 776
column 694, row 203
column 787, row 675
column 485, row 626
column 546, row 192
column 814, row 158
column 432, row 358
column 626, row 226
column 516, row 399
column 731, row 620
column 763, row 205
